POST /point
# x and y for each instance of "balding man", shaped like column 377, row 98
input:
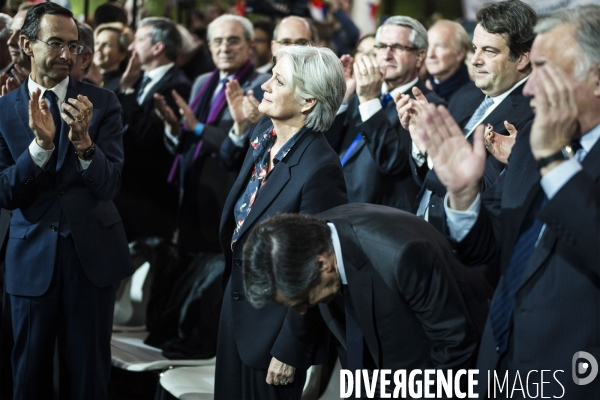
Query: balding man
column 291, row 31
column 203, row 180
column 445, row 62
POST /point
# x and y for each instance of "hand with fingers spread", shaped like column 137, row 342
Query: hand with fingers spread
column 189, row 118
column 235, row 99
column 40, row 121
column 368, row 78
column 280, row 373
column 132, row 72
column 499, row 145
column 458, row 165
column 555, row 123
column 77, row 113
column 20, row 74
column 250, row 105
column 166, row 113
column 348, row 65
column 410, row 113
column 10, row 85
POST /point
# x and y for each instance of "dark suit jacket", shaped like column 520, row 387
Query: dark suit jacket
column 205, row 181
column 378, row 171
column 308, row 180
column 147, row 201
column 558, row 301
column 514, row 109
column 38, row 197
column 417, row 306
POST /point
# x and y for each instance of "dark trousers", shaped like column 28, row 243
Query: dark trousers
column 78, row 311
column 234, row 379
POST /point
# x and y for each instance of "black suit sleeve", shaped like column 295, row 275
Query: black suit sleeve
column 425, row 280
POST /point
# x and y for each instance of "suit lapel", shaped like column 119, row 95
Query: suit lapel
column 591, row 166
column 359, row 276
column 22, row 110
column 72, row 92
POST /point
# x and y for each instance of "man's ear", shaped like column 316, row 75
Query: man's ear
column 26, row 45
column 308, row 105
column 421, row 54
column 523, row 62
column 158, row 48
column 86, row 59
column 325, row 263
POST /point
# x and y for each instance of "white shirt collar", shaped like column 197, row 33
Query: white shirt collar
column 589, row 139
column 60, row 90
column 337, row 248
column 500, row 98
column 157, row 73
column 399, row 89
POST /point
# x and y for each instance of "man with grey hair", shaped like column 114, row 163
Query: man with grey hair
column 207, row 119
column 5, row 59
column 373, row 147
column 147, row 202
column 445, row 61
column 541, row 219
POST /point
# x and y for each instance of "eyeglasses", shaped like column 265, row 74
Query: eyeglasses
column 290, row 42
column 395, row 47
column 57, row 47
column 233, row 41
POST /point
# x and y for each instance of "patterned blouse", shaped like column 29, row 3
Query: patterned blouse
column 262, row 145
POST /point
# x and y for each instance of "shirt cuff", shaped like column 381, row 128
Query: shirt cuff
column 238, row 141
column 369, row 108
column 461, row 222
column 38, row 155
column 174, row 139
column 419, row 157
column 554, row 180
column 343, row 108
column 84, row 164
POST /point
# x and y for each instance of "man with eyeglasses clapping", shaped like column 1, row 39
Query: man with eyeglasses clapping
column 61, row 157
column 374, row 148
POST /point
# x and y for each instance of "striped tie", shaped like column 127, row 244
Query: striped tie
column 478, row 115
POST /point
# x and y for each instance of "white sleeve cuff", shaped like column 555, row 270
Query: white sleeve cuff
column 38, row 155
column 418, row 156
column 84, row 164
column 461, row 222
column 238, row 141
column 554, row 180
column 369, row 108
column 174, row 139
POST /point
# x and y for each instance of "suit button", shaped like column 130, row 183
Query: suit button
column 61, row 192
column 238, row 262
column 497, row 349
column 236, row 295
column 53, row 228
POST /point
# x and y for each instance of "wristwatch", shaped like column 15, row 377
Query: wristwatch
column 87, row 154
column 564, row 153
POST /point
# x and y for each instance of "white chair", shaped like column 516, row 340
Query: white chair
column 198, row 383
column 129, row 352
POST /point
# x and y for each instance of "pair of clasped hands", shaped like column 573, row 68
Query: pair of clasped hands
column 77, row 113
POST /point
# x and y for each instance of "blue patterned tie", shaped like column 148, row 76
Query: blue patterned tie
column 52, row 100
column 478, row 114
column 503, row 305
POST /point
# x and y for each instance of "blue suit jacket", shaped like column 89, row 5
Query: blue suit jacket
column 38, row 197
